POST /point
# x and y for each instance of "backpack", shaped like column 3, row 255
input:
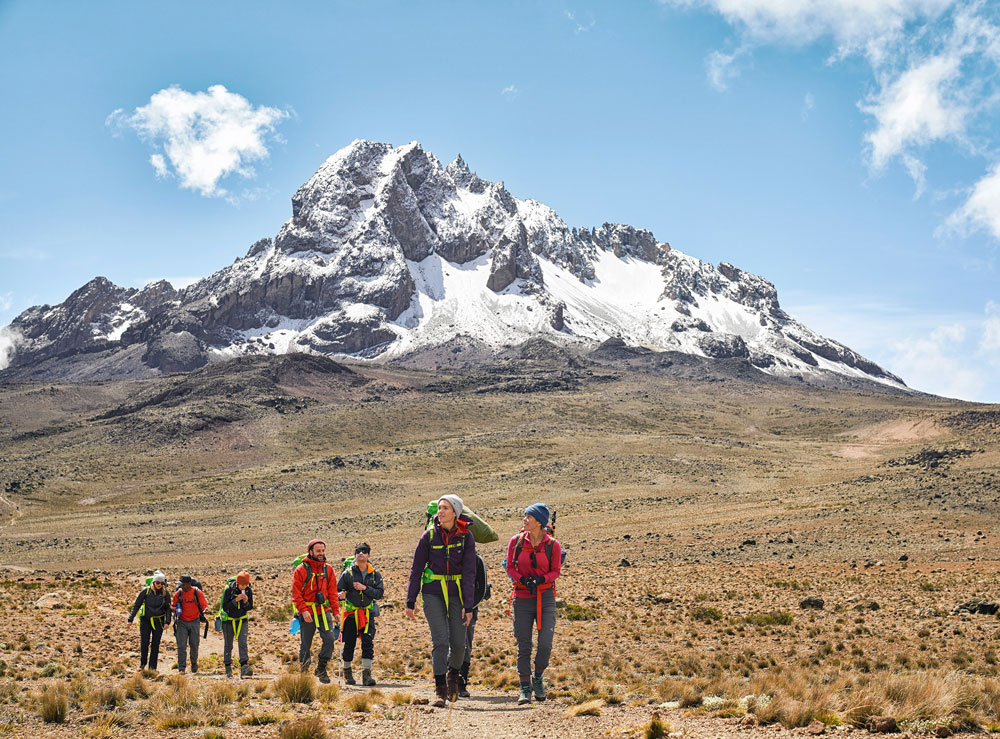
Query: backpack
column 222, row 611
column 482, row 532
column 551, row 530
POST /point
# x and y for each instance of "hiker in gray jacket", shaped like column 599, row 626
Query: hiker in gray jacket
column 237, row 602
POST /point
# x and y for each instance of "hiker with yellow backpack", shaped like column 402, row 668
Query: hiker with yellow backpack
column 361, row 585
column 444, row 571
column 152, row 607
column 314, row 592
column 534, row 561
column 234, row 608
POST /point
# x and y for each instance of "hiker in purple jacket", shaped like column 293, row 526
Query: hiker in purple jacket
column 444, row 570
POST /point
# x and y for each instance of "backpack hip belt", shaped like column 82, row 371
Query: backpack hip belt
column 362, row 616
column 539, row 589
column 429, row 576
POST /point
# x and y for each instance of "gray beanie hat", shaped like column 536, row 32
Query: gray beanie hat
column 454, row 501
column 159, row 577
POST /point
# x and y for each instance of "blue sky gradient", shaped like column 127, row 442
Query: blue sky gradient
column 616, row 112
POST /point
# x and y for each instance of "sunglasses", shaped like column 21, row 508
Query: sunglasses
column 362, row 550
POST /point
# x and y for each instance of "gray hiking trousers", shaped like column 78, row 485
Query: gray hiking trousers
column 327, row 638
column 447, row 633
column 525, row 615
column 228, row 636
column 187, row 632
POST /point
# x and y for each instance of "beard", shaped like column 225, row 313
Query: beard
column 319, row 557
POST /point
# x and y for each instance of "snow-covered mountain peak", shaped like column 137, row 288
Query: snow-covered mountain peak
column 387, row 252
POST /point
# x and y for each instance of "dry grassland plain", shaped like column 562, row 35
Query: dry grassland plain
column 744, row 558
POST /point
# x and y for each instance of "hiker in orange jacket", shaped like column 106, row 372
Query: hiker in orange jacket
column 314, row 592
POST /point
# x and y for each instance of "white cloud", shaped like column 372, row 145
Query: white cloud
column 939, row 363
column 923, row 105
column 982, row 208
column 808, row 104
column 989, row 344
column 579, row 27
column 9, row 339
column 510, row 91
column 918, row 173
column 202, row 137
column 6, row 302
column 722, row 67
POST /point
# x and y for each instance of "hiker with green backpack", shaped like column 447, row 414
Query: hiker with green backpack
column 314, row 592
column 361, row 585
column 152, row 607
column 234, row 606
column 444, row 571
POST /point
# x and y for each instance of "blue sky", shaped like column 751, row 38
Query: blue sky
column 846, row 150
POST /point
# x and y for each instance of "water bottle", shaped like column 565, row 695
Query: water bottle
column 293, row 627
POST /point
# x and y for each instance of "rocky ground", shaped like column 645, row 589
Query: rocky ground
column 744, row 559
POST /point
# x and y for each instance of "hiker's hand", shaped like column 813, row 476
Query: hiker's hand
column 130, row 620
column 466, row 616
column 307, row 617
column 360, row 586
column 410, row 613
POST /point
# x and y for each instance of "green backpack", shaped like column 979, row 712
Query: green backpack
column 222, row 613
column 482, row 532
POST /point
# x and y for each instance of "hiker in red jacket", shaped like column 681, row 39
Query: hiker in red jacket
column 534, row 559
column 314, row 591
column 189, row 609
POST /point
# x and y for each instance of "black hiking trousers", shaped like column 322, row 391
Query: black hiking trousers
column 149, row 642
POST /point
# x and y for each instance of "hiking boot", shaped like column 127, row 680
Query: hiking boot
column 539, row 686
column 245, row 670
column 349, row 676
column 194, row 667
column 452, row 685
column 463, row 683
column 229, row 670
column 366, row 678
column 321, row 672
column 441, row 699
column 525, row 696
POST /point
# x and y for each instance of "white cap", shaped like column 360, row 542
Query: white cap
column 159, row 577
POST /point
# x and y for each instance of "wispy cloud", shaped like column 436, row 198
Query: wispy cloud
column 808, row 105
column 578, row 25
column 6, row 302
column 510, row 92
column 935, row 68
column 9, row 339
column 201, row 138
column 25, row 254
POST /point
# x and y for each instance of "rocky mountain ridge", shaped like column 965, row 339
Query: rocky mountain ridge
column 388, row 253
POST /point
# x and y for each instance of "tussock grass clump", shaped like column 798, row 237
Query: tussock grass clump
column 220, row 694
column 655, row 729
column 295, row 688
column 178, row 694
column 176, row 721
column 328, row 694
column 136, row 687
column 359, row 703
column 706, row 614
column 53, row 705
column 590, row 708
column 575, row 612
column 260, row 719
column 307, row 728
column 401, row 699
column 104, row 696
column 213, row 734
column 772, row 618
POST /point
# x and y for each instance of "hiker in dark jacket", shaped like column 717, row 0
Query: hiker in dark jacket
column 189, row 608
column 534, row 560
column 444, row 570
column 152, row 605
column 237, row 602
column 361, row 585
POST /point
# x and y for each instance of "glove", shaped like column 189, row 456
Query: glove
column 528, row 581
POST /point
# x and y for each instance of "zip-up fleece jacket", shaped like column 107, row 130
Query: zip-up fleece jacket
column 548, row 570
column 304, row 587
column 233, row 609
column 157, row 604
column 446, row 553
column 190, row 601
column 371, row 578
